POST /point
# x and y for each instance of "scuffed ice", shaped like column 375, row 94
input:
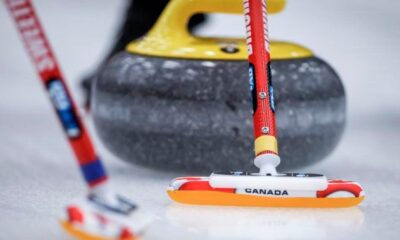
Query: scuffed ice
column 196, row 115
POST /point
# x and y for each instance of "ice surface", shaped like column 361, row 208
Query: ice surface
column 38, row 176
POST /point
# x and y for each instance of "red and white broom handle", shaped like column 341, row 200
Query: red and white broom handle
column 38, row 48
column 256, row 21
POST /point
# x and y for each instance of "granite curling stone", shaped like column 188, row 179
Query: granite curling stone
column 195, row 115
column 175, row 101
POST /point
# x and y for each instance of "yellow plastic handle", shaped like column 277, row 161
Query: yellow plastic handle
column 190, row 7
column 178, row 12
column 170, row 36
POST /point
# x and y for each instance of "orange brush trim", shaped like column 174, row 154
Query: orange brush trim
column 233, row 199
column 82, row 235
column 198, row 191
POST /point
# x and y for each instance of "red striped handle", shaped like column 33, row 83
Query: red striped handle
column 38, row 48
column 260, row 76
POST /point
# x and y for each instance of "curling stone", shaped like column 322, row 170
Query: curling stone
column 174, row 101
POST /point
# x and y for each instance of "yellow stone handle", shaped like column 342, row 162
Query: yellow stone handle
column 170, row 36
column 176, row 16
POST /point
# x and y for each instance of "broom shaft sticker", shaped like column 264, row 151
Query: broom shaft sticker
column 64, row 108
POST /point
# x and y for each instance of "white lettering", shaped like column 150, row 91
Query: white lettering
column 35, row 42
column 265, row 22
column 247, row 19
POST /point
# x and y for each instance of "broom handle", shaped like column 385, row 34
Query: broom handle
column 45, row 62
column 260, row 76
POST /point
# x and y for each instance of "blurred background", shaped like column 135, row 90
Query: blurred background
column 38, row 175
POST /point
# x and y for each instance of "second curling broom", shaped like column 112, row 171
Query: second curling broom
column 102, row 214
column 267, row 188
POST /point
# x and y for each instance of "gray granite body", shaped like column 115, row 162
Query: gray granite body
column 196, row 116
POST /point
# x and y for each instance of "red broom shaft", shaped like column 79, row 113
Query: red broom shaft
column 260, row 74
column 45, row 62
